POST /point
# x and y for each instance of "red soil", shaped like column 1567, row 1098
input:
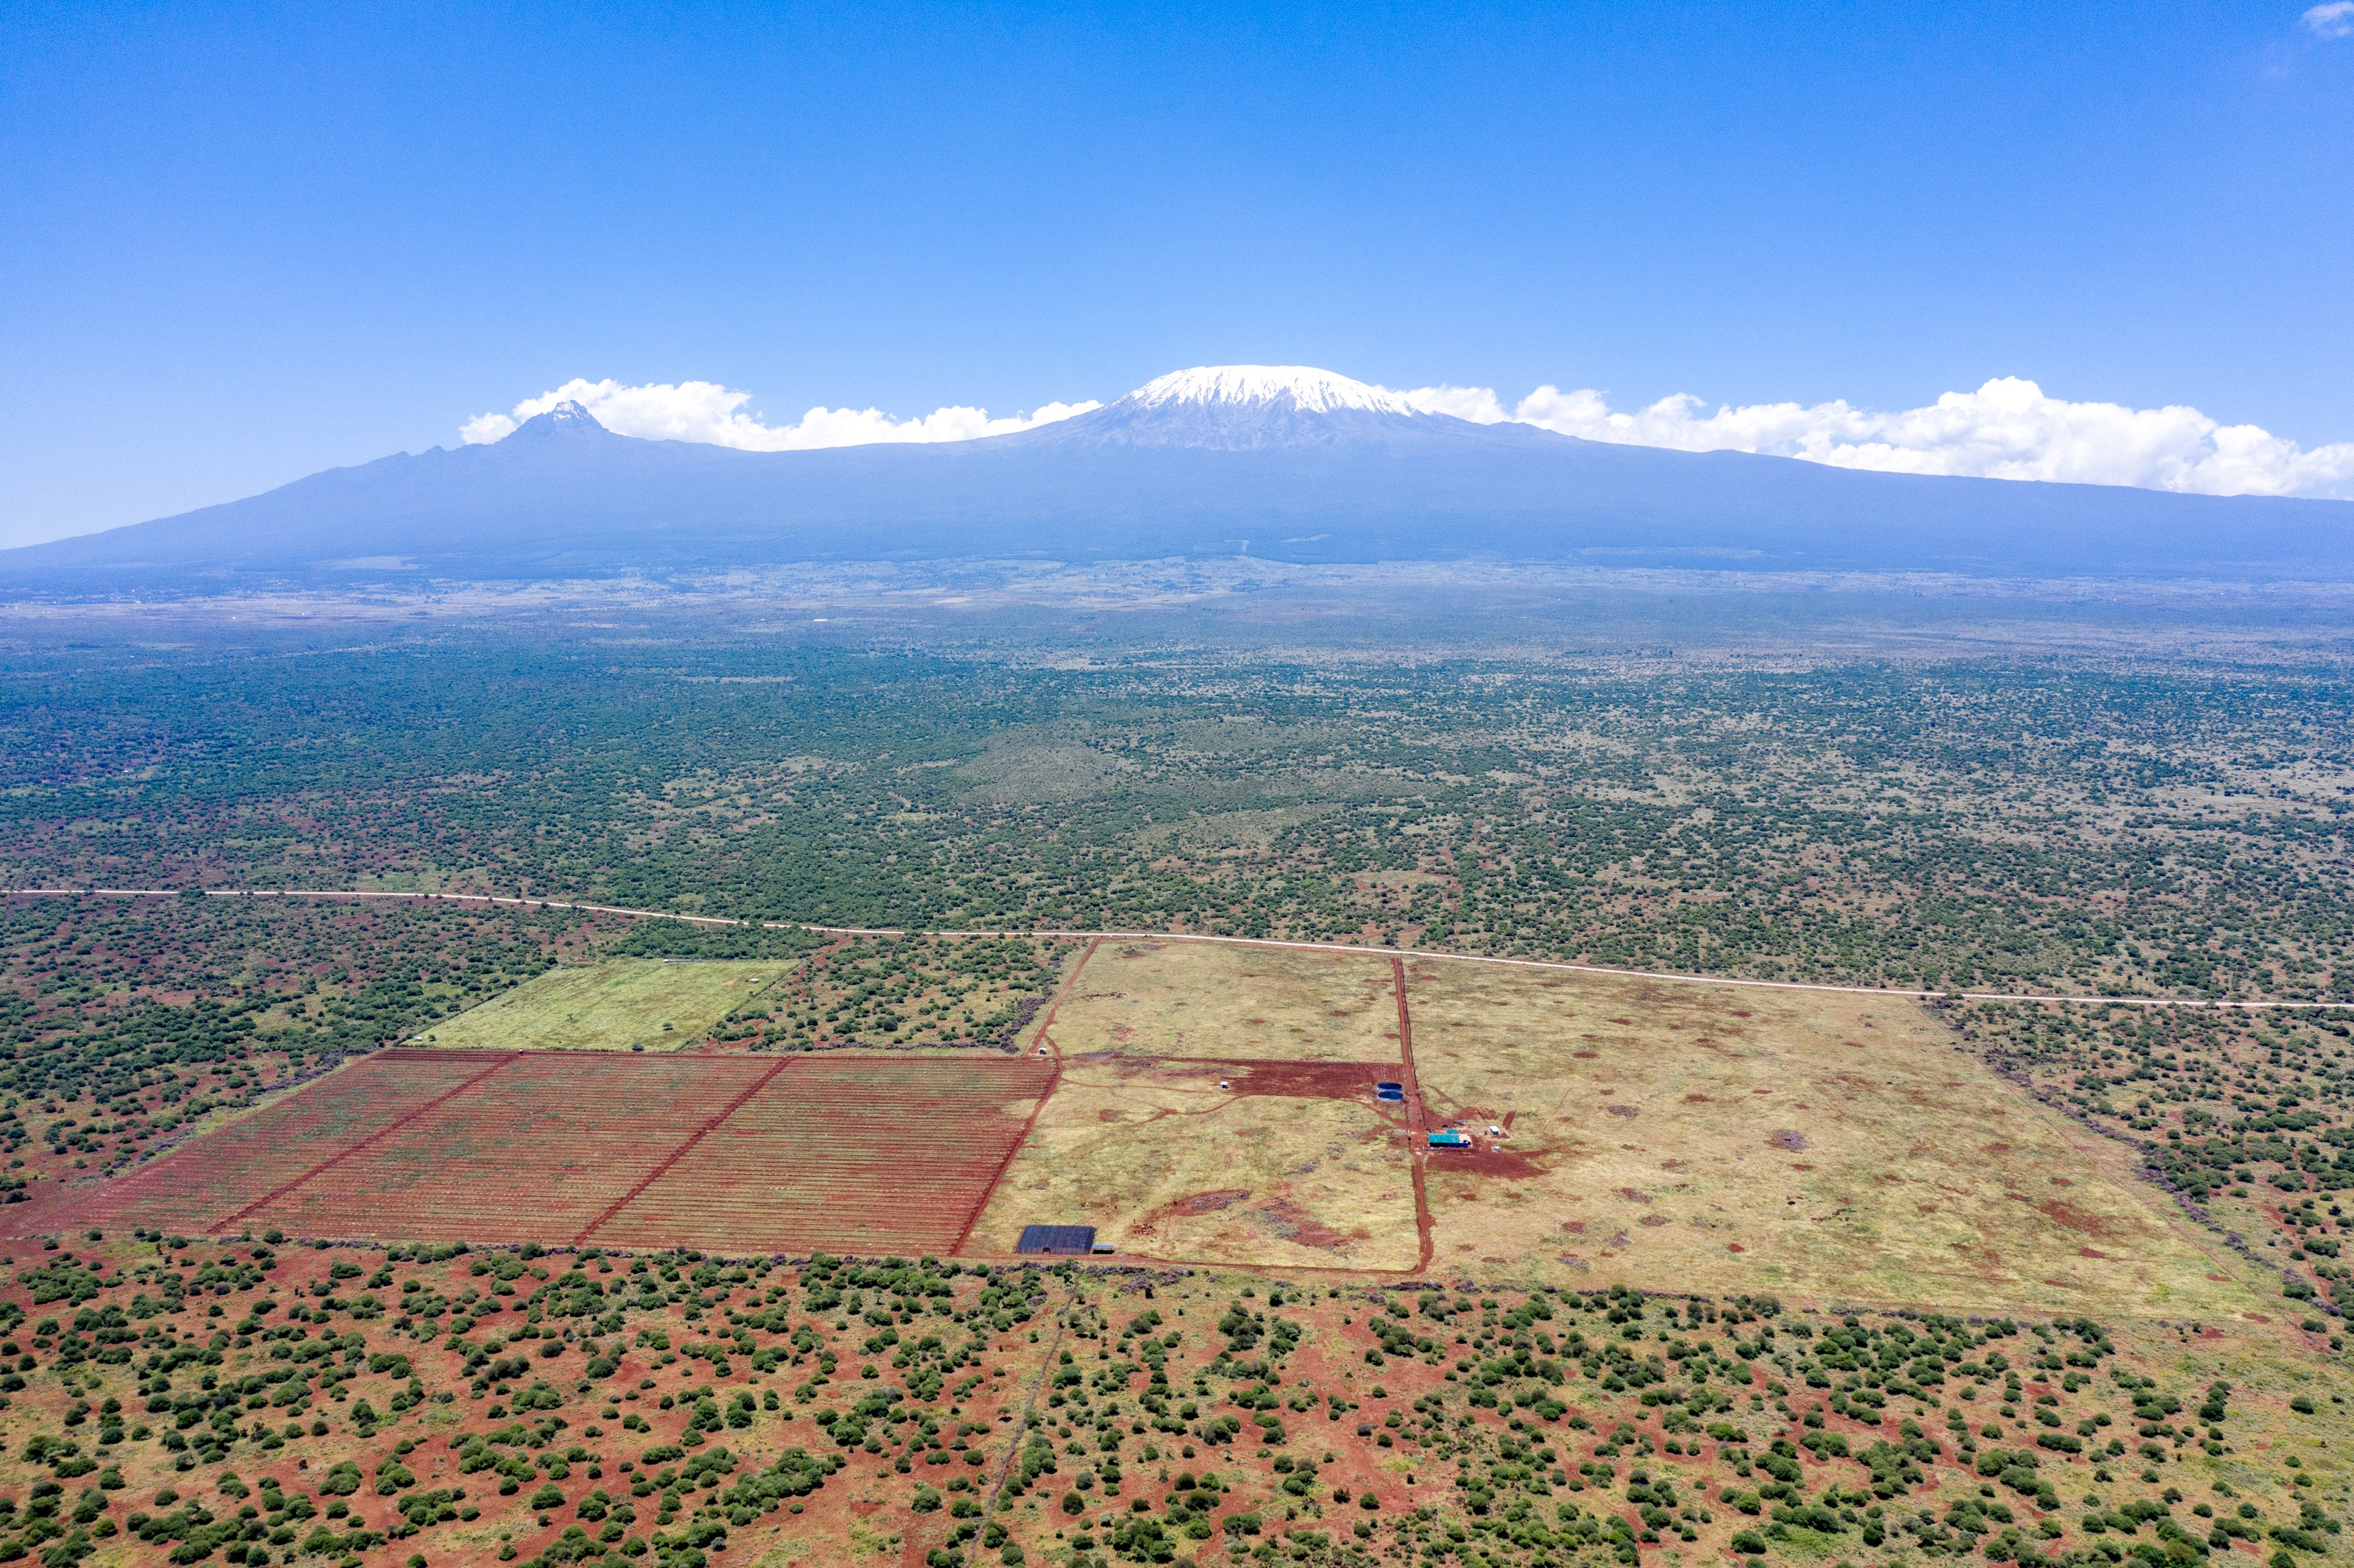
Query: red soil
column 1307, row 1080
column 730, row 1153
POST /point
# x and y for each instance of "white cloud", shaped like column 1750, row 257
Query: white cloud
column 2334, row 20
column 708, row 412
column 2008, row 428
column 1477, row 403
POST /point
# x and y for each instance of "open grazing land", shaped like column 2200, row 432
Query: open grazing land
column 1997, row 1212
column 1736, row 1140
column 1835, row 1146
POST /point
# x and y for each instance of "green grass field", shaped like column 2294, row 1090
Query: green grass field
column 622, row 1004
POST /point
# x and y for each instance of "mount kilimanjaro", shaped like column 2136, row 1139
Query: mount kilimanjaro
column 1294, row 464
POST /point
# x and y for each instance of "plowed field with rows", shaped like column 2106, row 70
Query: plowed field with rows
column 744, row 1154
column 216, row 1176
column 537, row 1150
column 878, row 1156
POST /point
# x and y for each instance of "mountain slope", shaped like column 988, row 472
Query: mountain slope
column 1282, row 461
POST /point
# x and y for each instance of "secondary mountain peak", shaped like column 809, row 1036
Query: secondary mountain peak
column 1300, row 387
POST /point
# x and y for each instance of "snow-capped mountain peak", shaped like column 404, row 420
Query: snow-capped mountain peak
column 1251, row 408
column 1300, row 387
column 566, row 419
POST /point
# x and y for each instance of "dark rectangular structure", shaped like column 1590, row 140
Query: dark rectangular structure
column 1057, row 1241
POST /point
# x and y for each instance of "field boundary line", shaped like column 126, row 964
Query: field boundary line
column 1560, row 965
column 349, row 1150
column 711, row 1124
column 1061, row 995
column 1054, row 1082
column 1416, row 1128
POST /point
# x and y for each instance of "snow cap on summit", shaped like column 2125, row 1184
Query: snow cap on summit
column 572, row 413
column 1301, row 386
column 1251, row 408
column 565, row 418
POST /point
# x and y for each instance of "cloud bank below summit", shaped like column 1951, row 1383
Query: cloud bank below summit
column 707, row 412
column 2008, row 428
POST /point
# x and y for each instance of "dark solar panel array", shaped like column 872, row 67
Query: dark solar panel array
column 1075, row 1240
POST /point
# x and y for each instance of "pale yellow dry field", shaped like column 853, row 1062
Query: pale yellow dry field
column 1203, row 1000
column 620, row 1004
column 1819, row 1147
column 1166, row 1166
column 1815, row 1145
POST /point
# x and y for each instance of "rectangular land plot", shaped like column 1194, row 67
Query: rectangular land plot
column 742, row 1153
column 1293, row 1165
column 536, row 1151
column 237, row 1164
column 621, row 1004
column 1161, row 999
column 843, row 1153
column 1826, row 1145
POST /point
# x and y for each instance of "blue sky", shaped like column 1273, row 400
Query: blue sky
column 245, row 243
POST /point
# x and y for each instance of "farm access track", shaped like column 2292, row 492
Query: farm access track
column 1665, row 977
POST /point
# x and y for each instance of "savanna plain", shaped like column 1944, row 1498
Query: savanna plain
column 1665, row 1075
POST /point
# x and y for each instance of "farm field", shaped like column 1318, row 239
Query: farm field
column 1954, row 1287
column 1831, row 1147
column 259, row 1153
column 843, row 1154
column 892, row 1154
column 1819, row 1146
column 1826, row 1145
column 537, row 1150
column 615, row 1004
column 1287, row 1169
column 1193, row 999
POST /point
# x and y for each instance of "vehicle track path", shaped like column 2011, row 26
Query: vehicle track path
column 1021, row 1423
column 1553, row 965
column 1417, row 1129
